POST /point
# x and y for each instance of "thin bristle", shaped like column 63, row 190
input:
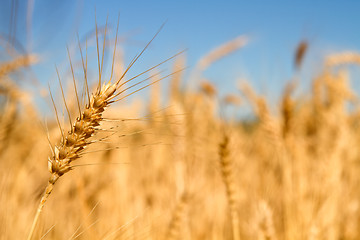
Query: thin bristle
column 149, row 69
column 113, row 60
column 98, row 53
column 138, row 55
column 86, row 65
column 74, row 82
column 147, row 86
column 84, row 68
column 48, row 138
column 56, row 113
column 136, row 84
column 103, row 48
column 63, row 96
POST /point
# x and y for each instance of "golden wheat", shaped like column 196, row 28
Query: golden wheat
column 87, row 124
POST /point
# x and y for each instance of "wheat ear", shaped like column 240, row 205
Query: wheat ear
column 178, row 217
column 74, row 142
column 342, row 58
column 221, row 51
column 229, row 180
column 22, row 61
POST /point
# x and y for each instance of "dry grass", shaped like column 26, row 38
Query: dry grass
column 292, row 173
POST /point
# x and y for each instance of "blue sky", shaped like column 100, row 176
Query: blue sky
column 275, row 29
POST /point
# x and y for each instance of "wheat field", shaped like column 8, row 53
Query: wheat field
column 176, row 168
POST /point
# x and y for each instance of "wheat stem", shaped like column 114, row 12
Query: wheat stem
column 53, row 178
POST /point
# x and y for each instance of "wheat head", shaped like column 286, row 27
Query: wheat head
column 86, row 125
